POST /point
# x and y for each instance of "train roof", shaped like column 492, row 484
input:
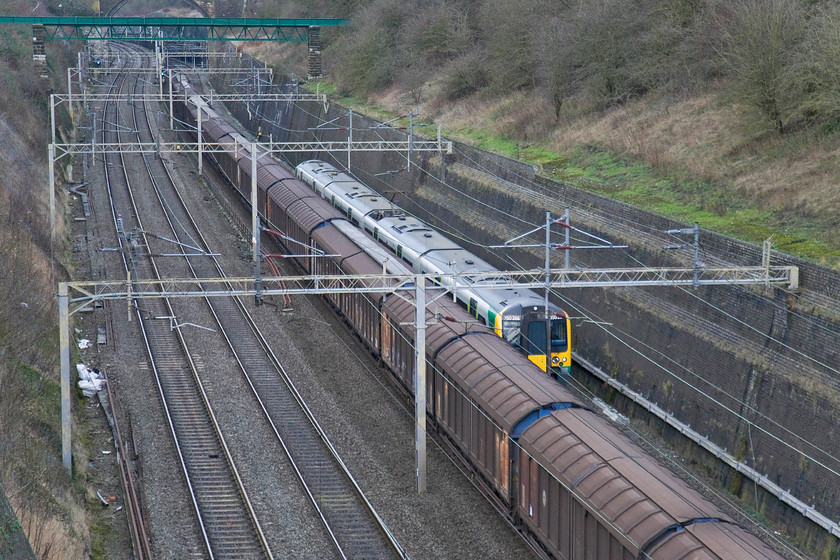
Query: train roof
column 373, row 249
column 636, row 496
column 502, row 381
column 304, row 207
column 438, row 253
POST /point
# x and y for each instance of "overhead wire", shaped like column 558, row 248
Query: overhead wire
column 477, row 244
column 467, row 239
column 699, row 377
column 695, row 374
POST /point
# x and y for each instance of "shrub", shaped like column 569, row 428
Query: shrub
column 759, row 42
column 465, row 76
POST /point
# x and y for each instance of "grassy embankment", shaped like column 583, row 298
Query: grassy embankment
column 50, row 506
column 695, row 160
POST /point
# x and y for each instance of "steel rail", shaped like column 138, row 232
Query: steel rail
column 137, row 523
column 117, row 220
column 355, row 528
column 137, row 527
column 166, row 211
column 194, row 434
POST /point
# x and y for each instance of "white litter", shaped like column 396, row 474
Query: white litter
column 84, row 343
column 611, row 412
column 90, row 380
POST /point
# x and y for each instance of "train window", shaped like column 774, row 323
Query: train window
column 558, row 335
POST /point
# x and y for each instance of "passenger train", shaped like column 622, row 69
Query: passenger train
column 571, row 482
column 517, row 315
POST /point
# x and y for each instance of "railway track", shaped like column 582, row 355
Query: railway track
column 226, row 521
column 351, row 522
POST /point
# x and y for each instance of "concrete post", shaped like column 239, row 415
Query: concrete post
column 568, row 260
column 93, row 143
column 159, row 65
column 82, row 84
column 70, row 94
column 52, row 117
column 696, row 255
column 171, row 116
column 64, row 343
column 198, row 106
column 350, row 139
column 255, row 225
column 51, row 173
column 420, row 381
column 547, row 290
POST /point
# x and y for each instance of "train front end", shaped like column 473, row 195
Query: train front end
column 526, row 326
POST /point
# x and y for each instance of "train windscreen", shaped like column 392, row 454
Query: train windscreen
column 535, row 341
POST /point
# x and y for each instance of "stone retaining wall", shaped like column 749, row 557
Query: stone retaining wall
column 753, row 368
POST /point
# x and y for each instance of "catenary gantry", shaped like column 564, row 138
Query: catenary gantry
column 175, row 28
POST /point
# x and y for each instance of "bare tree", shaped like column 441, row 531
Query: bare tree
column 759, row 39
column 597, row 50
column 817, row 70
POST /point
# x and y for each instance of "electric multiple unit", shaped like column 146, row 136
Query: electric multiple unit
column 517, row 315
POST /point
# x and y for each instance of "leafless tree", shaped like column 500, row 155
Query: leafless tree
column 759, row 42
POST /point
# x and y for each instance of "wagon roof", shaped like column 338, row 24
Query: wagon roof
column 612, row 476
column 501, row 380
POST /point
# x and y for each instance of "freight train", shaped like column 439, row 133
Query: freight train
column 572, row 482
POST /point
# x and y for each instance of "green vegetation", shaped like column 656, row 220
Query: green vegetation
column 724, row 112
column 48, row 508
column 677, row 195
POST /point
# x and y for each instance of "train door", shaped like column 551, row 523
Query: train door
column 534, row 343
column 472, row 307
column 533, row 336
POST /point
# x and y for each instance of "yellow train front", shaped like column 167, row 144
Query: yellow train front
column 515, row 314
column 525, row 325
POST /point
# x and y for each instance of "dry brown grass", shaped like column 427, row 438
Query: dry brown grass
column 708, row 139
column 691, row 135
column 53, row 537
column 701, row 137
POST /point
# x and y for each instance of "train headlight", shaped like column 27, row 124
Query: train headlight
column 564, row 359
column 555, row 360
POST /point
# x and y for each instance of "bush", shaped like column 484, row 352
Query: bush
column 437, row 32
column 368, row 54
column 465, row 76
column 759, row 42
column 817, row 72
